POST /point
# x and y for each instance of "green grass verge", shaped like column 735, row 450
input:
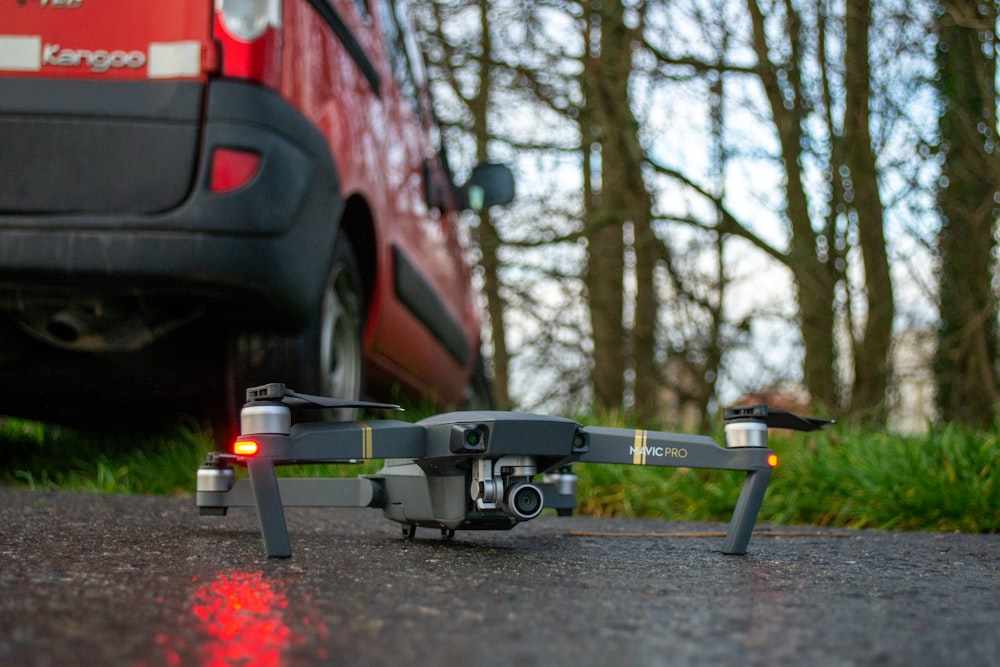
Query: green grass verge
column 48, row 457
column 945, row 480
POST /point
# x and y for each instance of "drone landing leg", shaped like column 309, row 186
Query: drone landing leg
column 264, row 483
column 745, row 514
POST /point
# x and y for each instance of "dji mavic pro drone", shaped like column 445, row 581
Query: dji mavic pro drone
column 463, row 470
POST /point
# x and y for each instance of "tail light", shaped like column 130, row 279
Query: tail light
column 250, row 39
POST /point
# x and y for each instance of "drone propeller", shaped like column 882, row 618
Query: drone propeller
column 276, row 392
column 773, row 418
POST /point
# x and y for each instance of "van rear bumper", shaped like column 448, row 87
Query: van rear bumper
column 79, row 216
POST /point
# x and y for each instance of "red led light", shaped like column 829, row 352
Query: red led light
column 246, row 447
column 772, row 460
column 232, row 168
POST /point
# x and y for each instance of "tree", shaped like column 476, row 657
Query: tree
column 780, row 68
column 813, row 68
column 965, row 365
column 801, row 73
column 493, row 64
column 691, row 275
column 862, row 201
column 616, row 202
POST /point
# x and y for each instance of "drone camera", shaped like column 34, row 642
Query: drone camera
column 467, row 439
column 581, row 442
column 524, row 501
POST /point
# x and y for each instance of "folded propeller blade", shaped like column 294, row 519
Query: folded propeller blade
column 311, row 401
column 774, row 418
column 276, row 392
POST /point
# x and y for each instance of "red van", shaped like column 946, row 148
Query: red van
column 201, row 195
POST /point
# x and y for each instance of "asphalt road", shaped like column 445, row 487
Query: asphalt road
column 122, row 580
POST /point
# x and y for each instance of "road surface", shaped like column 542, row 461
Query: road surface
column 127, row 580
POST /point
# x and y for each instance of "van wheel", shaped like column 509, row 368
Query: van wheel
column 326, row 357
column 340, row 362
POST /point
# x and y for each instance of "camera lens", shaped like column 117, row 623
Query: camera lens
column 524, row 501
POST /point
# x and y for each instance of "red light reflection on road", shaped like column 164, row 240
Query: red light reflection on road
column 243, row 616
column 242, row 619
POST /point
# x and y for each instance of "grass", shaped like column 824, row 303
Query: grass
column 945, row 480
column 49, row 457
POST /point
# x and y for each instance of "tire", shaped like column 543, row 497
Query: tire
column 340, row 359
column 325, row 358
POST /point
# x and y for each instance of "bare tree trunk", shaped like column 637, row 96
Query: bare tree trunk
column 648, row 383
column 603, row 220
column 489, row 244
column 622, row 198
column 864, row 206
column 965, row 366
column 489, row 238
column 814, row 282
column 713, row 350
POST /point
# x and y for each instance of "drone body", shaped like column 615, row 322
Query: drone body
column 463, row 470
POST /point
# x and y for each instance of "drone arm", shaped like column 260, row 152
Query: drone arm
column 653, row 448
column 673, row 450
column 308, row 492
column 318, row 442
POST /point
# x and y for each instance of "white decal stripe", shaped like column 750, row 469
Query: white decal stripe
column 170, row 59
column 21, row 53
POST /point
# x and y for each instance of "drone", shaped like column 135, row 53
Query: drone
column 471, row 470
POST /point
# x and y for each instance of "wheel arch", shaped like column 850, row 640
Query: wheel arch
column 358, row 226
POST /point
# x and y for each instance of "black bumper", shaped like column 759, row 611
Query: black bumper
column 104, row 189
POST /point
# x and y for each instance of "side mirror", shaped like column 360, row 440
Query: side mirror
column 489, row 185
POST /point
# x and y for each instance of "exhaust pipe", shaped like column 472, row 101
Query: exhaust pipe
column 69, row 325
